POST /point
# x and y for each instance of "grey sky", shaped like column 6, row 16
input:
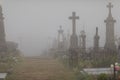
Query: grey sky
column 33, row 23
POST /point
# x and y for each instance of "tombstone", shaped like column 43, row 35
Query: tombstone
column 96, row 41
column 3, row 76
column 3, row 46
column 110, row 41
column 61, row 43
column 83, row 41
column 73, row 53
column 61, row 39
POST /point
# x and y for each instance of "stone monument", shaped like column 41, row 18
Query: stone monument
column 3, row 46
column 73, row 53
column 83, row 41
column 60, row 39
column 96, row 41
column 110, row 41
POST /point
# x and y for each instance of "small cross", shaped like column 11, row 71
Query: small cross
column 110, row 6
column 74, row 18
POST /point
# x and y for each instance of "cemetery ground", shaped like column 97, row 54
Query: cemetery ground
column 33, row 68
column 43, row 68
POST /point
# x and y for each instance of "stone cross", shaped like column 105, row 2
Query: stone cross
column 110, row 6
column 73, row 18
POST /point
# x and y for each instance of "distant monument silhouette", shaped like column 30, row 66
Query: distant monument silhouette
column 3, row 46
column 73, row 53
column 60, row 38
column 83, row 41
column 96, row 41
column 110, row 41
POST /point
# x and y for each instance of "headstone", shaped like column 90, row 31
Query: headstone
column 3, row 46
column 96, row 41
column 83, row 41
column 3, row 76
column 60, row 39
column 98, row 71
column 110, row 41
column 73, row 53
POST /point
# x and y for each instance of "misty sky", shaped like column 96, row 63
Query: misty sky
column 34, row 23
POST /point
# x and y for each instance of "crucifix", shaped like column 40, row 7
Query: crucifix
column 74, row 18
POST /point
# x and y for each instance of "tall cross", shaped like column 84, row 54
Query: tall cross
column 73, row 18
column 110, row 6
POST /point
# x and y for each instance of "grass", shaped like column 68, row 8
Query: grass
column 8, row 63
column 41, row 69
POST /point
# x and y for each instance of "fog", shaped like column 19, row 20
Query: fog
column 33, row 24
